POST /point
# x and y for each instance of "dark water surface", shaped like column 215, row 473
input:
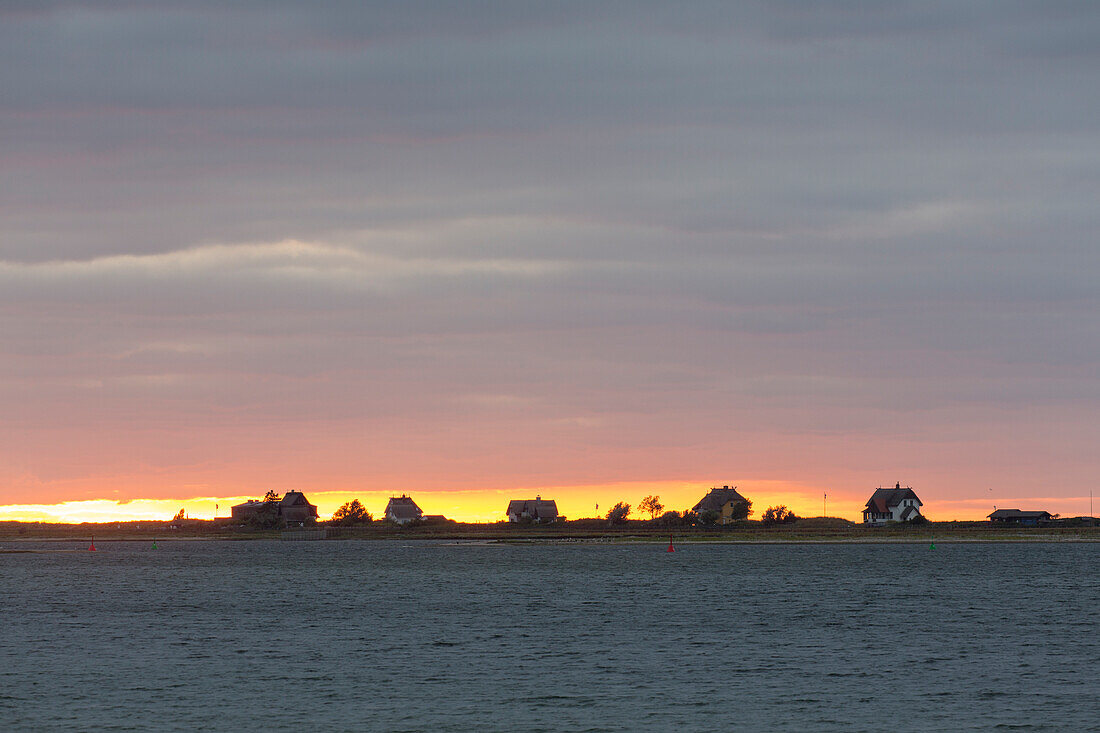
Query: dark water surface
column 346, row 635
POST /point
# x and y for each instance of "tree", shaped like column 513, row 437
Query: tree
column 351, row 513
column 742, row 510
column 618, row 513
column 778, row 515
column 708, row 516
column 651, row 505
column 272, row 497
column 181, row 514
column 266, row 517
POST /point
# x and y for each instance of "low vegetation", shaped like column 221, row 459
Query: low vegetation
column 774, row 515
column 267, row 516
column 685, row 525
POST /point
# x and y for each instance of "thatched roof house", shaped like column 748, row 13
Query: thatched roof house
column 726, row 502
column 537, row 509
column 294, row 508
column 402, row 509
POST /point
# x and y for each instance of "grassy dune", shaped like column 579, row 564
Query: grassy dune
column 814, row 529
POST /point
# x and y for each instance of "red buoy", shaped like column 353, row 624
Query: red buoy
column 92, row 548
column 670, row 547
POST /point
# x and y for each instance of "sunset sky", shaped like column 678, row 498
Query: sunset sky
column 475, row 252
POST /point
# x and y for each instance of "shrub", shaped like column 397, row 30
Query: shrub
column 708, row 517
column 670, row 519
column 778, row 515
column 266, row 517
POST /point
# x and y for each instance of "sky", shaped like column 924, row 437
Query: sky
column 593, row 251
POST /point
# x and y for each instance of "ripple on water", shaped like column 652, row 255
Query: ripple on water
column 262, row 636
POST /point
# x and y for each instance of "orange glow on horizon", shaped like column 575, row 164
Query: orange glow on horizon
column 574, row 502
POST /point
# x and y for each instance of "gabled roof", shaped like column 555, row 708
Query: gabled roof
column 294, row 498
column 1017, row 514
column 402, row 507
column 537, row 508
column 883, row 499
column 717, row 498
column 297, row 501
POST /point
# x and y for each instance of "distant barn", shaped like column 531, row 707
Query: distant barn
column 1021, row 518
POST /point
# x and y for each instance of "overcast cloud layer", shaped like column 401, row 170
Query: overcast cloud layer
column 418, row 245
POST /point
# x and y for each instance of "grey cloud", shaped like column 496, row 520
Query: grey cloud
column 218, row 114
column 615, row 216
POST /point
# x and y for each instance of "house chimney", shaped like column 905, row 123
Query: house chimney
column 897, row 485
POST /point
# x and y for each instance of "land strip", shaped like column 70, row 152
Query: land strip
column 808, row 531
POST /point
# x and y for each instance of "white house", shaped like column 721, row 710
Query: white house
column 892, row 505
column 402, row 509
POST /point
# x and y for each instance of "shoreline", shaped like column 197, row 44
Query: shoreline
column 940, row 538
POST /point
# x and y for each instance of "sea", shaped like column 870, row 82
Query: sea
column 345, row 635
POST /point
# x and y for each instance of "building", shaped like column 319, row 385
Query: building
column 1023, row 519
column 892, row 505
column 247, row 510
column 402, row 510
column 292, row 509
column 726, row 502
column 537, row 510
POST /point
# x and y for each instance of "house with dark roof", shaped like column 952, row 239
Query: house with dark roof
column 537, row 510
column 293, row 509
column 1017, row 517
column 726, row 502
column 892, row 505
column 402, row 509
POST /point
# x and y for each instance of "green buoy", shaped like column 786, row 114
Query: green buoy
column 154, row 544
